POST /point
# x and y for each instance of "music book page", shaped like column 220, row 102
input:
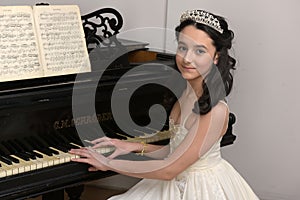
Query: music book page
column 19, row 52
column 62, row 41
column 41, row 41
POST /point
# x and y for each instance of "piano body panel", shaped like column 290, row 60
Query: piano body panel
column 46, row 109
column 29, row 185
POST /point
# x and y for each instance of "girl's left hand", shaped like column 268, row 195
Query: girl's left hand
column 90, row 156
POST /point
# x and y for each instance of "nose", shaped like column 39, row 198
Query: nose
column 188, row 57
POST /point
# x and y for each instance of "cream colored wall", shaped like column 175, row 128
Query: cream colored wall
column 266, row 94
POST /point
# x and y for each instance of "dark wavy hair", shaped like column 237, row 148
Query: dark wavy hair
column 218, row 83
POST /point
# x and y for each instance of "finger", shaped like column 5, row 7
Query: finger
column 83, row 152
column 92, row 169
column 102, row 139
column 82, row 160
column 113, row 155
column 93, row 153
column 104, row 144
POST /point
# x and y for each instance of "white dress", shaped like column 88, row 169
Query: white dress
column 210, row 178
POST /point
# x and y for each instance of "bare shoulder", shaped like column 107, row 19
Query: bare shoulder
column 220, row 114
column 221, row 109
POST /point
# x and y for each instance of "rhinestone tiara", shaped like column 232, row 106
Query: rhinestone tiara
column 202, row 17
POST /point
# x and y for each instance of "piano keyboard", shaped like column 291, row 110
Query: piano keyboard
column 20, row 156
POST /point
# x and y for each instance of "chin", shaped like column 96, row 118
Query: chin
column 187, row 77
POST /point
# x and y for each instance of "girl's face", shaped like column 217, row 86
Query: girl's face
column 195, row 53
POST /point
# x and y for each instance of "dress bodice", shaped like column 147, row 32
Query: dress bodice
column 208, row 159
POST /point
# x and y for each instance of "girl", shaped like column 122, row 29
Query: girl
column 190, row 167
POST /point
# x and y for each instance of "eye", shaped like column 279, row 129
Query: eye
column 199, row 51
column 181, row 48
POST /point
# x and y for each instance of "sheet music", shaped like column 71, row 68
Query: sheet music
column 19, row 56
column 62, row 39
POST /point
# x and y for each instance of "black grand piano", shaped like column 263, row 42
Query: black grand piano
column 38, row 124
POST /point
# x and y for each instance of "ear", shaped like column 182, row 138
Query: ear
column 216, row 58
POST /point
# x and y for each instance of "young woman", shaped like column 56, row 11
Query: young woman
column 190, row 167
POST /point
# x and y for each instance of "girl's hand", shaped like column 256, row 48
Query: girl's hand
column 91, row 157
column 121, row 147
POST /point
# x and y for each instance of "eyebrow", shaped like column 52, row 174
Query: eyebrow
column 197, row 45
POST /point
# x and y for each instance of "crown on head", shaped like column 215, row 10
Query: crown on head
column 202, row 17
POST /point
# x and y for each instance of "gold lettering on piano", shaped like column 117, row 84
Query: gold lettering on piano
column 83, row 120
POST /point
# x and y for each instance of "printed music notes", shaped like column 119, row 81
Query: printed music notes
column 62, row 39
column 41, row 41
column 19, row 54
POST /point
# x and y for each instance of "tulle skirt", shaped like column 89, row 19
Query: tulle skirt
column 220, row 182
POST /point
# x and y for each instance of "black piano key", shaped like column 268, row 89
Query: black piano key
column 63, row 140
column 3, row 150
column 38, row 155
column 12, row 159
column 14, row 151
column 53, row 142
column 5, row 160
column 46, row 151
column 73, row 146
column 61, row 148
column 22, row 156
column 22, row 144
column 9, row 147
column 61, row 144
column 2, row 153
column 25, row 149
column 6, row 154
column 15, row 145
column 37, row 146
column 28, row 146
column 32, row 144
column 72, row 138
column 69, row 143
column 45, row 145
column 30, row 155
column 18, row 150
column 2, row 156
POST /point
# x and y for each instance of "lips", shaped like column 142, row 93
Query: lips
column 188, row 67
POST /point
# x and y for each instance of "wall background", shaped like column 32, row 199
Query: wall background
column 266, row 91
column 266, row 94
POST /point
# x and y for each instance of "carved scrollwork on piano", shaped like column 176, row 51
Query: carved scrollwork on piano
column 102, row 26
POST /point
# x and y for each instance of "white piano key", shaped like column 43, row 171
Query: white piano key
column 22, row 165
column 62, row 156
column 46, row 161
column 104, row 150
column 30, row 165
column 7, row 168
column 2, row 173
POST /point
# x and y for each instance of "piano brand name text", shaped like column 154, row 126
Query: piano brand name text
column 83, row 120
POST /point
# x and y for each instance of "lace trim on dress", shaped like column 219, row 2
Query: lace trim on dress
column 181, row 183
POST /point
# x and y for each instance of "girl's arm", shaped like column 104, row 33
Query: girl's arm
column 203, row 133
column 124, row 147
